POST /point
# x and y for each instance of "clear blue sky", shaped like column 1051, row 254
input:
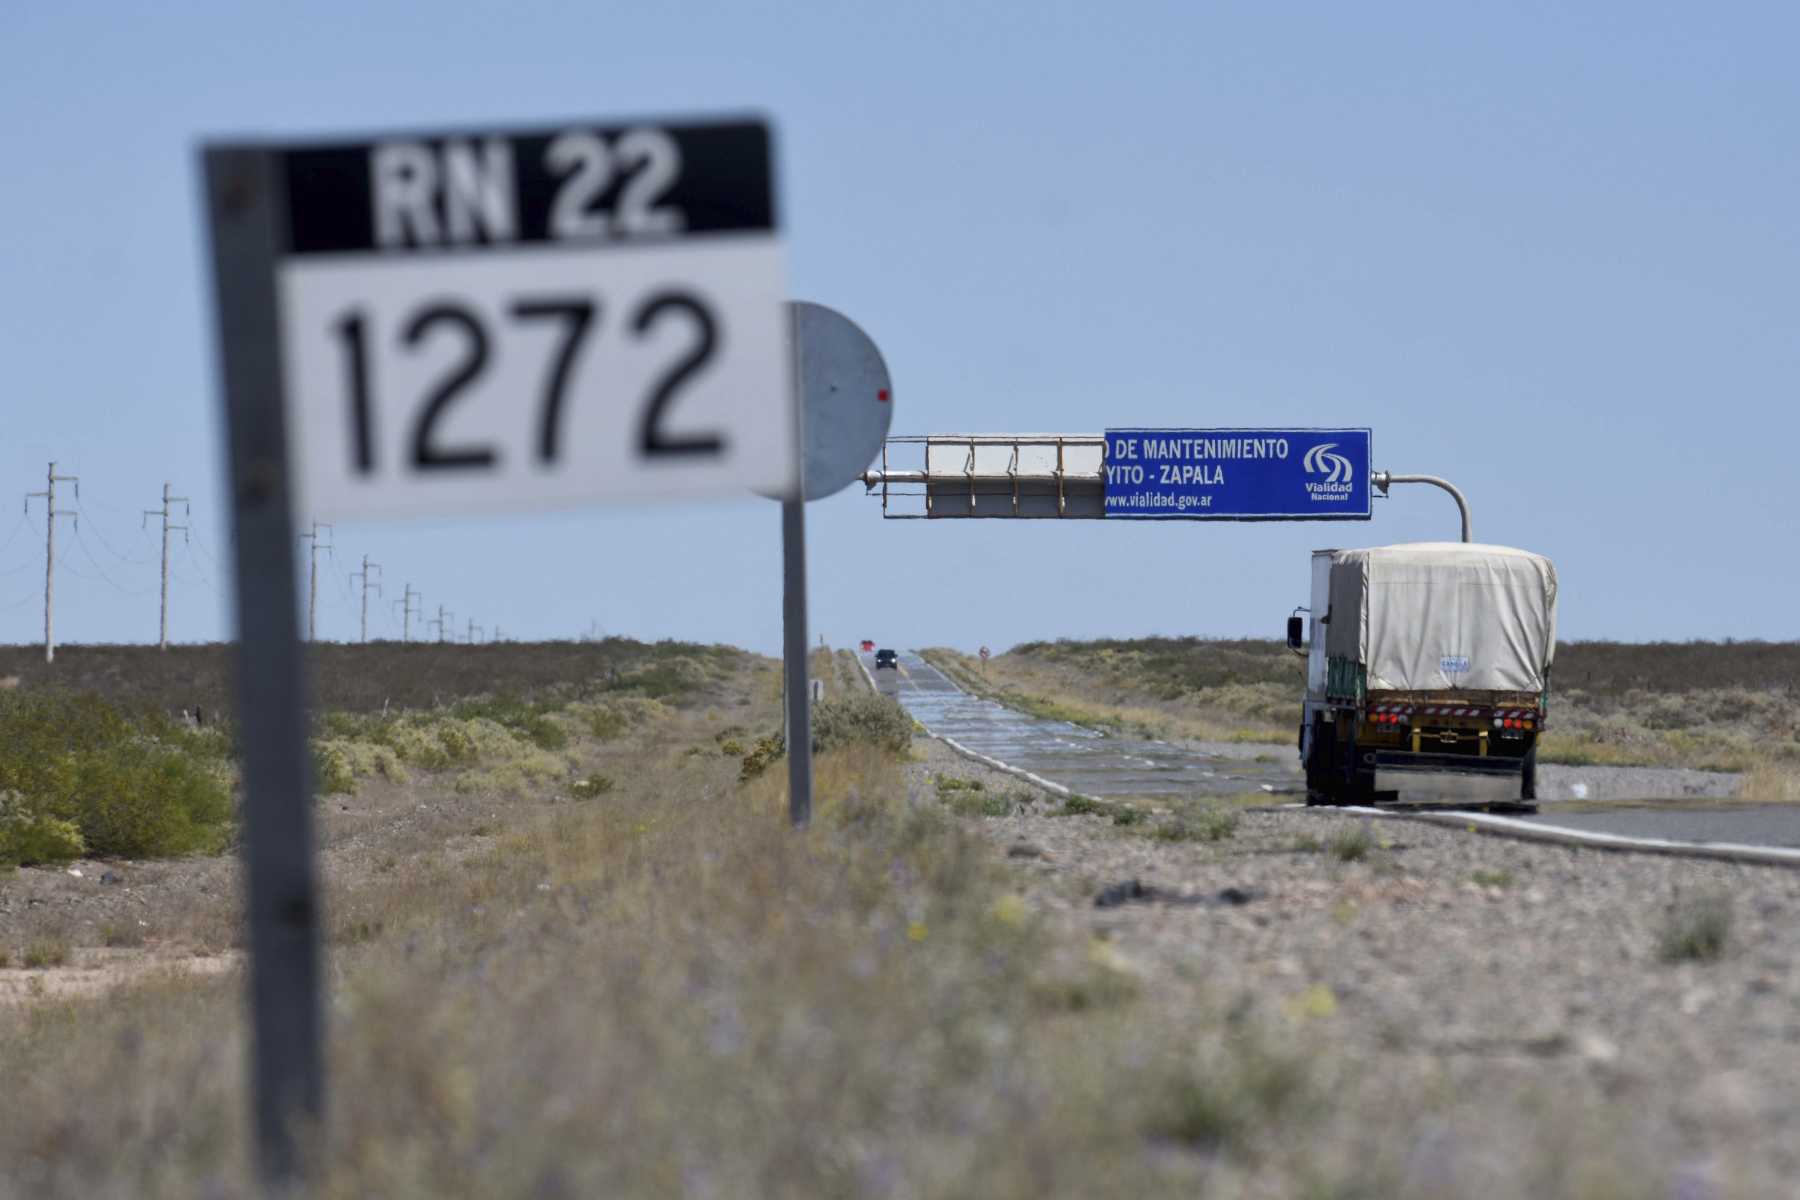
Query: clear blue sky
column 1548, row 251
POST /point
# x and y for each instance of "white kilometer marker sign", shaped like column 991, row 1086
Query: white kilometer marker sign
column 536, row 320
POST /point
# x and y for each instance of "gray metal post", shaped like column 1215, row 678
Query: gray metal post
column 287, row 1073
column 162, row 640
column 798, row 695
column 1382, row 479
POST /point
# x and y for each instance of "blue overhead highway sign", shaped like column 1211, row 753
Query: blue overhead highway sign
column 1238, row 474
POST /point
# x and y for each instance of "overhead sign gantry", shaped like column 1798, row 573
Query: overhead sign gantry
column 1138, row 474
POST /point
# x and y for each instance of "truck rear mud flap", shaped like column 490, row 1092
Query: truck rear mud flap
column 1448, row 764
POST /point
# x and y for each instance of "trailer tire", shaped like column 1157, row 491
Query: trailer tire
column 1321, row 767
column 1528, row 777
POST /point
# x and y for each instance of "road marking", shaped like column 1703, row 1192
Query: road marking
column 1531, row 831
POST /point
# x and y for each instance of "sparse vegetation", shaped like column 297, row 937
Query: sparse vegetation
column 45, row 952
column 1077, row 805
column 1696, row 929
column 1352, row 844
column 1207, row 823
column 591, row 786
column 1491, row 878
column 969, row 798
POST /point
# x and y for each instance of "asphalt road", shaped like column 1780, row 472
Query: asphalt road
column 1082, row 759
column 1098, row 765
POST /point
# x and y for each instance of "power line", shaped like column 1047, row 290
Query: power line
column 88, row 553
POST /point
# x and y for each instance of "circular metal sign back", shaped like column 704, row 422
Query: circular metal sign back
column 846, row 397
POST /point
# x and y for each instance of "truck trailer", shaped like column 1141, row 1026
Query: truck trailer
column 1432, row 657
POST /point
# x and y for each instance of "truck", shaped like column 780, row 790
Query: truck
column 1429, row 657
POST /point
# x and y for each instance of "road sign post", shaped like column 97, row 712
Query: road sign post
column 287, row 1064
column 464, row 322
column 844, row 406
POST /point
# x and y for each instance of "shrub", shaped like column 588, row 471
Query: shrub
column 1351, row 845
column 133, row 786
column 1697, row 930
column 30, row 838
column 332, row 773
column 590, row 787
column 613, row 716
column 1206, row 825
column 46, row 952
column 865, row 719
column 762, row 755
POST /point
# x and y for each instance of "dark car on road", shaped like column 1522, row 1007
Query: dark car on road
column 886, row 658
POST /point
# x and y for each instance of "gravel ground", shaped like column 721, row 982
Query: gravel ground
column 1478, row 989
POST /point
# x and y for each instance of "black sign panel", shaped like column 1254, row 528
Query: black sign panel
column 580, row 183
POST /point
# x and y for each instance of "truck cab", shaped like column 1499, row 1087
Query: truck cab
column 1424, row 658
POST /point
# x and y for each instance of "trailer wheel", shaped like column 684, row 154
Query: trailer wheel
column 1320, row 767
column 1528, row 777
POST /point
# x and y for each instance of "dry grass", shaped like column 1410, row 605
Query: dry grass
column 663, row 991
column 1770, row 783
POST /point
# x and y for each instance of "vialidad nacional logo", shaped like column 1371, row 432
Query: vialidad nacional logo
column 1338, row 471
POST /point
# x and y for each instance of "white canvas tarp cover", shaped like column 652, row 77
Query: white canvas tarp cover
column 1444, row 616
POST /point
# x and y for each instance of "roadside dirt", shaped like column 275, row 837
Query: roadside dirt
column 1471, row 968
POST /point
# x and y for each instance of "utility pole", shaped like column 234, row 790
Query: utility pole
column 312, row 587
column 364, row 576
column 440, row 623
column 162, row 640
column 49, row 495
column 406, row 613
column 472, row 628
column 499, row 634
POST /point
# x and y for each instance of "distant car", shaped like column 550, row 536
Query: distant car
column 886, row 658
column 867, row 645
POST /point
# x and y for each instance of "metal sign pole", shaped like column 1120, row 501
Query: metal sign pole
column 799, row 696
column 287, row 1076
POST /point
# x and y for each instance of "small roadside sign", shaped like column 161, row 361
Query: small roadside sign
column 533, row 318
column 1237, row 474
